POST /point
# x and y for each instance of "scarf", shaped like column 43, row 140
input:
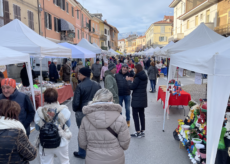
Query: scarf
column 10, row 124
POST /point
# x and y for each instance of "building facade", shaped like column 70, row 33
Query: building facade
column 121, row 45
column 140, row 43
column 131, row 43
column 149, row 35
column 26, row 11
column 95, row 32
column 58, row 20
column 223, row 18
column 189, row 14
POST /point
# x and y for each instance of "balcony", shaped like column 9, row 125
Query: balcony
column 223, row 30
column 103, row 37
column 67, row 37
column 4, row 21
column 104, row 48
column 171, row 38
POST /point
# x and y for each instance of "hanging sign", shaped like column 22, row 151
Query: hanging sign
column 198, row 78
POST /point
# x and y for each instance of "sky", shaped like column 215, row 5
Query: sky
column 130, row 15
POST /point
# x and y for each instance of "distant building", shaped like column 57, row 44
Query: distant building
column 121, row 45
column 140, row 43
column 131, row 43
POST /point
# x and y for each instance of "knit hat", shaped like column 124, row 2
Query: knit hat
column 9, row 81
column 2, row 75
column 97, row 60
column 111, row 66
column 125, row 65
column 85, row 71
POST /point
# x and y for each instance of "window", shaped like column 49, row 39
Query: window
column 105, row 43
column 60, row 3
column 77, row 14
column 48, row 20
column 163, row 39
column 56, row 24
column 78, row 34
column 6, row 13
column 207, row 16
column 196, row 20
column 108, row 32
column 162, row 29
column 17, row 12
column 72, row 12
column 105, row 31
column 30, row 19
column 102, row 43
column 67, row 7
column 187, row 24
column 201, row 17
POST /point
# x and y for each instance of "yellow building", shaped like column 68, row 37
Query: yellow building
column 162, row 31
column 223, row 18
column 149, row 35
column 26, row 11
column 140, row 43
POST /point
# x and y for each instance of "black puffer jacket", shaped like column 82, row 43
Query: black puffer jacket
column 15, row 147
column 84, row 93
column 139, row 86
column 123, row 87
column 27, row 112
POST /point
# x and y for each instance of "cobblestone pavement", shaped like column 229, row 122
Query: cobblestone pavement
column 156, row 148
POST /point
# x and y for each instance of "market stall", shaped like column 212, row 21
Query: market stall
column 213, row 60
column 9, row 56
column 17, row 36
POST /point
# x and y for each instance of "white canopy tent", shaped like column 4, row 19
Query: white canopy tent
column 212, row 59
column 87, row 45
column 79, row 52
column 162, row 50
column 201, row 36
column 102, row 51
column 9, row 56
column 113, row 52
column 17, row 36
column 149, row 51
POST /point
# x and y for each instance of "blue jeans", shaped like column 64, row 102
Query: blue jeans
column 126, row 98
column 152, row 84
column 81, row 152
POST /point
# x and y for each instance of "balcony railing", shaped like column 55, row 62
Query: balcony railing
column 67, row 37
column 103, row 47
column 223, row 30
column 103, row 37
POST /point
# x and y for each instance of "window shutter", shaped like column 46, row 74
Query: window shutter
column 63, row 7
column 50, row 21
column 46, row 19
column 55, row 28
column 54, row 1
column 32, row 20
column 28, row 17
column 19, row 13
column 15, row 11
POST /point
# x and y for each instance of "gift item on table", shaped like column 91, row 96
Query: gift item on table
column 177, row 88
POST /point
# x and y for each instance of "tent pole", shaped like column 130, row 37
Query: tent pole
column 168, row 67
column 41, row 81
column 30, row 77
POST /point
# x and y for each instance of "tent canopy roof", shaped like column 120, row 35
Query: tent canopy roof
column 210, row 59
column 87, row 45
column 79, row 52
column 17, row 36
column 201, row 36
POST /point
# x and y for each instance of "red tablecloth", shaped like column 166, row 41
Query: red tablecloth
column 64, row 94
column 174, row 99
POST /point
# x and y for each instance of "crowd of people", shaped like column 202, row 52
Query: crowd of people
column 103, row 130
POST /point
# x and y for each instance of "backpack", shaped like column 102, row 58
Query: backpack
column 49, row 136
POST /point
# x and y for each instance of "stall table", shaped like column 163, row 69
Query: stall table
column 174, row 100
column 64, row 94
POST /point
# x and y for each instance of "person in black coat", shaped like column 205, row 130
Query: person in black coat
column 148, row 63
column 1, row 78
column 83, row 94
column 139, row 99
column 10, row 92
column 53, row 73
column 123, row 89
column 24, row 76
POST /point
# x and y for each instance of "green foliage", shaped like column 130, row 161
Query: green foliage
column 191, row 104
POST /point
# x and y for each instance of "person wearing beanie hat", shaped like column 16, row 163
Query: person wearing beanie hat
column 83, row 94
column 96, row 70
column 1, row 78
column 110, row 81
column 9, row 91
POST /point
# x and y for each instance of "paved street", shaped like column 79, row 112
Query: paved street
column 157, row 147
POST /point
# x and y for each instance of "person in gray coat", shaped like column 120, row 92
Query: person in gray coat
column 96, row 70
column 104, row 133
column 110, row 82
column 152, row 73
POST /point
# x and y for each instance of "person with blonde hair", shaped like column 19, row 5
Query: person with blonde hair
column 103, row 132
column 152, row 73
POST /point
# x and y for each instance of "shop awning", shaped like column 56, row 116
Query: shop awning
column 66, row 26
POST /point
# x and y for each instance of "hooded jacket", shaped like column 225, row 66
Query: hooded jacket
column 27, row 112
column 111, row 85
column 15, row 146
column 139, row 86
column 103, row 147
column 152, row 73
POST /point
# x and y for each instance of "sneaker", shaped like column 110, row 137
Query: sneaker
column 137, row 135
column 78, row 156
column 143, row 134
